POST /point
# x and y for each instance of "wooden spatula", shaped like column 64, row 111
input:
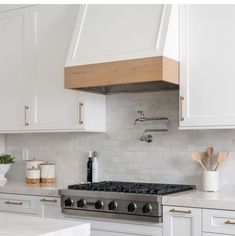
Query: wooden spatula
column 197, row 156
column 223, row 156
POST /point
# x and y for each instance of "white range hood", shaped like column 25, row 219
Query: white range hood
column 117, row 48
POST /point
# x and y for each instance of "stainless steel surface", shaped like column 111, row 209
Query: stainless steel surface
column 148, row 137
column 142, row 118
column 123, row 200
column 112, row 215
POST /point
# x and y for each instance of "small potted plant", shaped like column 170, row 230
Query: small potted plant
column 5, row 163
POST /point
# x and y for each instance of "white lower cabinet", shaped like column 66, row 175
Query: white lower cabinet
column 23, row 204
column 217, row 221
column 49, row 207
column 210, row 234
column 181, row 221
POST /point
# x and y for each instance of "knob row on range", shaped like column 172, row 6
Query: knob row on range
column 132, row 207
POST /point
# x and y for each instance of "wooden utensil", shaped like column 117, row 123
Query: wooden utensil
column 223, row 156
column 197, row 156
column 210, row 151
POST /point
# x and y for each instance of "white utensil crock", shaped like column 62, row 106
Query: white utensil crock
column 210, row 181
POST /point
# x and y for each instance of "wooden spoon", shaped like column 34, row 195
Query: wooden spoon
column 210, row 151
column 197, row 156
column 223, row 156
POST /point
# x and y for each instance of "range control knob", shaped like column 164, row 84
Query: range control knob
column 68, row 202
column 113, row 206
column 81, row 203
column 99, row 204
column 147, row 208
column 132, row 207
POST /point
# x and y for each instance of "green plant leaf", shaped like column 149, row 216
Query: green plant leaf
column 6, row 159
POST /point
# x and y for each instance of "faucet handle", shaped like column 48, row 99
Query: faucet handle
column 141, row 113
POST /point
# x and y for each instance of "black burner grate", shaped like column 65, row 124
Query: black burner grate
column 129, row 187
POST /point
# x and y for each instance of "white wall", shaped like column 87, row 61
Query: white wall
column 2, row 143
column 122, row 156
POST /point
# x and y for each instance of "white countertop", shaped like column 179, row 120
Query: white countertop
column 50, row 190
column 224, row 200
column 18, row 225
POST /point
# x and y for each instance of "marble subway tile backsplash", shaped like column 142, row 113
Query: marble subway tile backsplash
column 121, row 155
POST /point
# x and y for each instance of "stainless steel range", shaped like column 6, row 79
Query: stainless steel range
column 125, row 200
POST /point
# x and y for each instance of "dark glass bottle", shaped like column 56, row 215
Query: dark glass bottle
column 89, row 170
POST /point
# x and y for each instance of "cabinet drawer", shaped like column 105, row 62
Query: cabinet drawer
column 217, row 221
column 18, row 203
column 209, row 234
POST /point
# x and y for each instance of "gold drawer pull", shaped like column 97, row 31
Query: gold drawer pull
column 48, row 200
column 228, row 222
column 81, row 113
column 178, row 211
column 181, row 99
column 26, row 123
column 13, row 203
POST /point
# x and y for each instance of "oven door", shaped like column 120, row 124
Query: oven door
column 118, row 227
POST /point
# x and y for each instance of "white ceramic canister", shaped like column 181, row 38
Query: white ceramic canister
column 48, row 172
column 33, row 164
column 210, row 181
column 33, row 176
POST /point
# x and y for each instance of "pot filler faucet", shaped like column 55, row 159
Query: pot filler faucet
column 148, row 137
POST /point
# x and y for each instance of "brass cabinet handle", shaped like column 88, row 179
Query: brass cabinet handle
column 81, row 113
column 228, row 222
column 181, row 99
column 179, row 211
column 25, row 115
column 48, row 200
column 13, row 203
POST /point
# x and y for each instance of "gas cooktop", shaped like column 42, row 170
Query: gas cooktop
column 130, row 187
column 125, row 200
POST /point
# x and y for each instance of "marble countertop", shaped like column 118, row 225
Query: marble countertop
column 19, row 225
column 224, row 200
column 49, row 190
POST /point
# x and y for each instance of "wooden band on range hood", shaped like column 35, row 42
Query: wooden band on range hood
column 144, row 70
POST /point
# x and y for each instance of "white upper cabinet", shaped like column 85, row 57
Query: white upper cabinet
column 13, row 69
column 52, row 107
column 207, row 72
column 105, row 33
column 34, row 48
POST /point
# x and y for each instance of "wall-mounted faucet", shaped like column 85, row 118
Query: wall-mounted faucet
column 142, row 118
column 148, row 137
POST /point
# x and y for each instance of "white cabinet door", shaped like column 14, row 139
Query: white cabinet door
column 49, row 207
column 92, row 112
column 207, row 72
column 13, row 69
column 180, row 221
column 52, row 107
